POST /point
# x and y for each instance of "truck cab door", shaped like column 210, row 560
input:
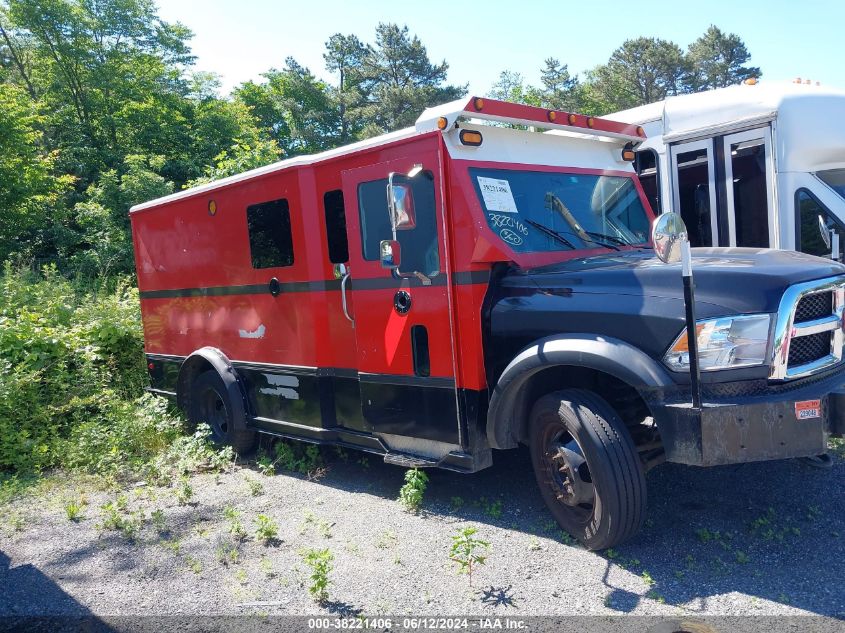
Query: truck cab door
column 402, row 322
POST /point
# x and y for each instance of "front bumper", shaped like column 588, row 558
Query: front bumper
column 749, row 428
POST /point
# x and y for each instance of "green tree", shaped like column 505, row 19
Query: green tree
column 717, row 59
column 511, row 86
column 29, row 191
column 560, row 89
column 345, row 55
column 88, row 59
column 400, row 80
column 641, row 71
column 294, row 108
column 98, row 243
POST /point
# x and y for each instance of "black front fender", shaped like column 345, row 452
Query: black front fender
column 600, row 353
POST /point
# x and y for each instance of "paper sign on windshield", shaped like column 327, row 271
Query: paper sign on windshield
column 497, row 195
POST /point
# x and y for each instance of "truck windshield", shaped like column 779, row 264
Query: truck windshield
column 835, row 179
column 535, row 211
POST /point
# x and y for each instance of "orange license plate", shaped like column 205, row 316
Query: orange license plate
column 808, row 409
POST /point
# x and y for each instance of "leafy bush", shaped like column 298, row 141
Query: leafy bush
column 297, row 456
column 72, row 376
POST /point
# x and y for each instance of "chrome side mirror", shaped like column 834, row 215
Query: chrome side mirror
column 390, row 254
column 667, row 233
column 400, row 201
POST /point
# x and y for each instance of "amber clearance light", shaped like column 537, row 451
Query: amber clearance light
column 478, row 103
column 442, row 122
column 472, row 138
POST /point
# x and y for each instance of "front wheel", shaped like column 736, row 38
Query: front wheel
column 587, row 468
column 210, row 404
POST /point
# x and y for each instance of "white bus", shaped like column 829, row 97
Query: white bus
column 757, row 165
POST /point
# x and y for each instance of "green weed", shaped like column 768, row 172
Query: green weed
column 320, row 562
column 468, row 551
column 411, row 493
column 266, row 529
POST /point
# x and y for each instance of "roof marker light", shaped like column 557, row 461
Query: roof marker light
column 590, row 122
column 442, row 122
column 478, row 103
column 552, row 115
column 572, row 119
column 640, row 130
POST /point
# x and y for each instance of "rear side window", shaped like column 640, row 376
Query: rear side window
column 270, row 240
column 336, row 227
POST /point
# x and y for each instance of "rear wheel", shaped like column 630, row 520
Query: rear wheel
column 210, row 404
column 587, row 468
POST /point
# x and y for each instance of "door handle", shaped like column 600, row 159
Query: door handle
column 344, row 271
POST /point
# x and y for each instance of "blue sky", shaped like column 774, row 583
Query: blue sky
column 240, row 40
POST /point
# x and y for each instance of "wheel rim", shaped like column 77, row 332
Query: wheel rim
column 213, row 412
column 567, row 473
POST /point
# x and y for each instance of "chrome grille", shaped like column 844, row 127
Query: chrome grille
column 814, row 306
column 807, row 349
column 808, row 333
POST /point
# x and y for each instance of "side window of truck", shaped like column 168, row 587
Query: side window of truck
column 270, row 240
column 336, row 227
column 810, row 239
column 420, row 252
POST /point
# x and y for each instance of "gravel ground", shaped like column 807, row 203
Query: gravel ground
column 762, row 539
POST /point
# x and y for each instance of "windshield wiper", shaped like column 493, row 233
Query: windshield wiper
column 609, row 241
column 587, row 234
column 551, row 233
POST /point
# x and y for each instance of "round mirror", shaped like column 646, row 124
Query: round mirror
column 667, row 233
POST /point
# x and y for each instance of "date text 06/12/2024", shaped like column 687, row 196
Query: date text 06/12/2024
column 413, row 624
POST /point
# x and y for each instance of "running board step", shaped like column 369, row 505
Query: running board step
column 409, row 461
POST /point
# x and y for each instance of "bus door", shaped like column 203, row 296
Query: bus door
column 694, row 190
column 749, row 188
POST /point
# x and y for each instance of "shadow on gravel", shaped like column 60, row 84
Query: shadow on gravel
column 23, row 582
column 772, row 530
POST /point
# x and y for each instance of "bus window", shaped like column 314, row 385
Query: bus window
column 811, row 215
column 646, row 166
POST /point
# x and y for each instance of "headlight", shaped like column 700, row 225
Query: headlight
column 724, row 343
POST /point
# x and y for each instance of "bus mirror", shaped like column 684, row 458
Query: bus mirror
column 824, row 231
column 401, row 200
column 390, row 254
column 667, row 233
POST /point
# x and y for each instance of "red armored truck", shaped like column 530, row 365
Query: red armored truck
column 472, row 283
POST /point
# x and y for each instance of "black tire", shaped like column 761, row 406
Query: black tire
column 591, row 447
column 210, row 404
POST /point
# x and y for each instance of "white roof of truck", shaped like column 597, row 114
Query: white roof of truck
column 428, row 121
column 811, row 119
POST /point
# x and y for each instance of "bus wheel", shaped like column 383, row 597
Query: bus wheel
column 210, row 404
column 587, row 468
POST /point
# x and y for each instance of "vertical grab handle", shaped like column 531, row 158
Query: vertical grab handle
column 344, row 271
